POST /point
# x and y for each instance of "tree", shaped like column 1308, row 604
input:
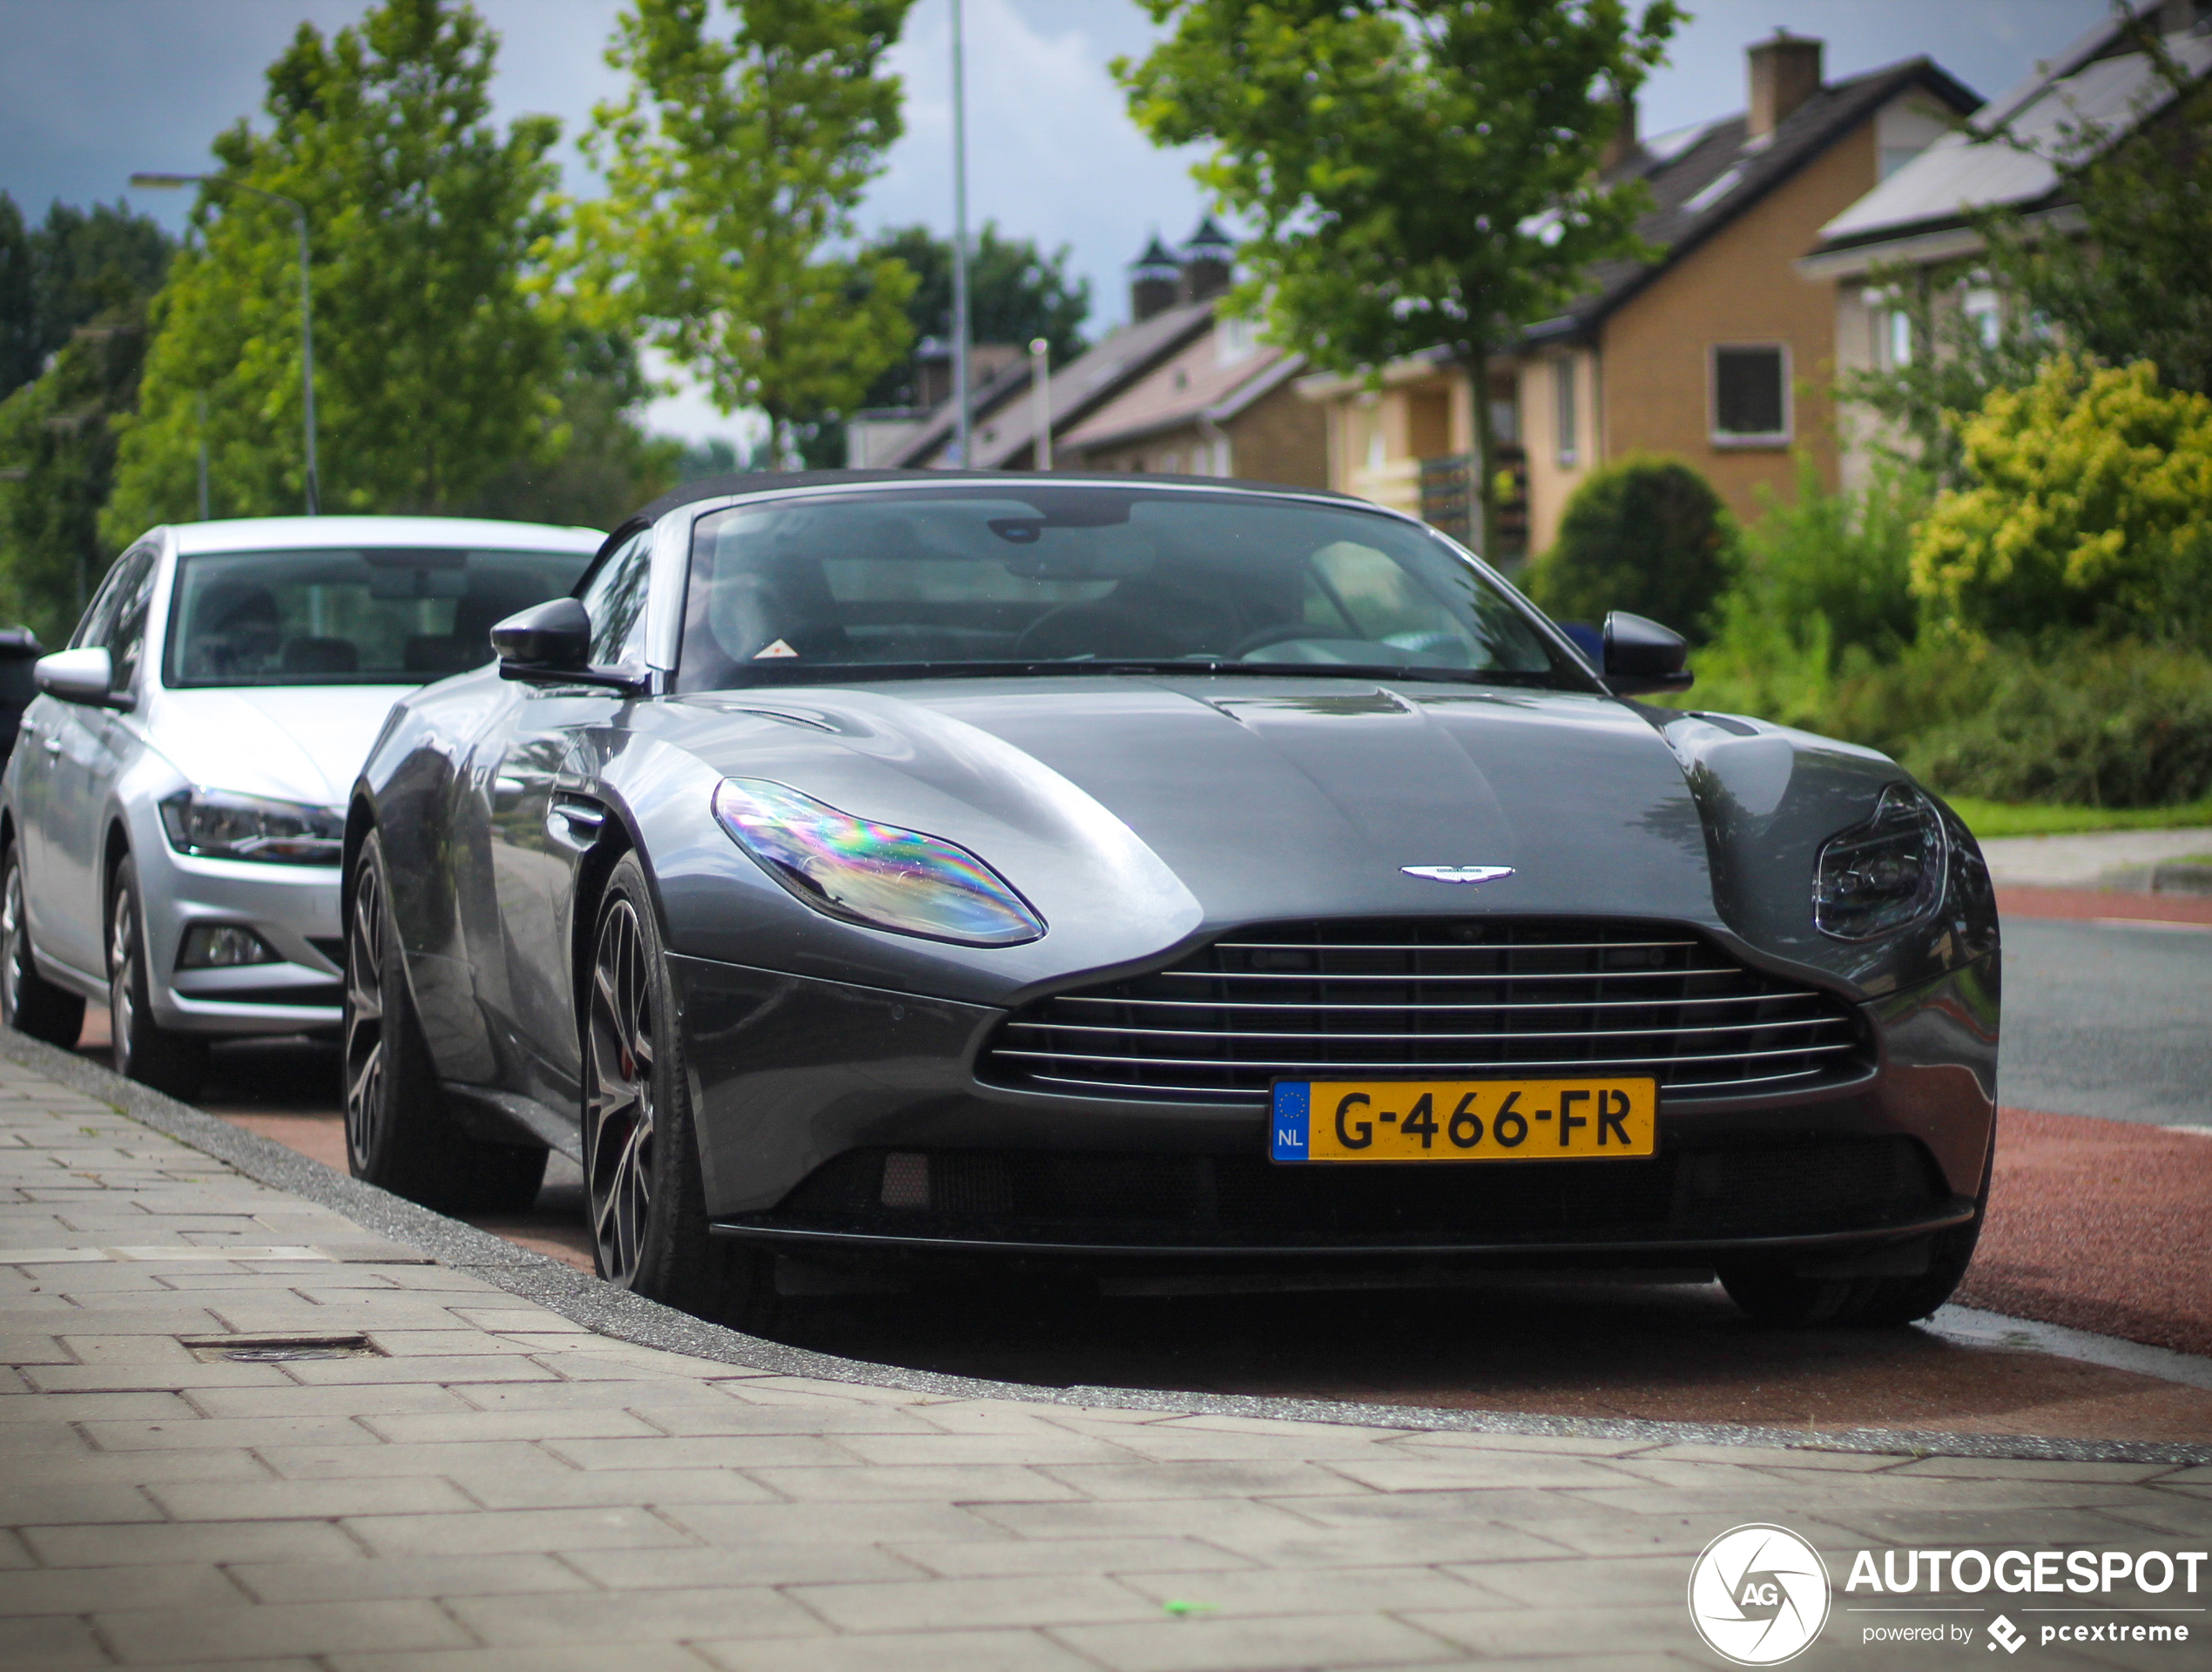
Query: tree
column 2088, row 510
column 1015, row 294
column 57, row 277
column 1646, row 535
column 736, row 161
column 1421, row 173
column 435, row 363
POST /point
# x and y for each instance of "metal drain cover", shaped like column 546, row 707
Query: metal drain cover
column 278, row 1349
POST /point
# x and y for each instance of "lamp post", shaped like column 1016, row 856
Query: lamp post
column 307, row 307
column 1041, row 381
column 962, row 417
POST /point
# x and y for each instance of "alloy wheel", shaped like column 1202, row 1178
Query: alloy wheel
column 364, row 1017
column 121, row 977
column 12, row 945
column 618, row 1094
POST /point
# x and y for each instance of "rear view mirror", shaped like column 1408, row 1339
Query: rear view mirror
column 1641, row 656
column 84, row 675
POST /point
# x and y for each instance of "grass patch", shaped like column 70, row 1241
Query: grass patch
column 1993, row 818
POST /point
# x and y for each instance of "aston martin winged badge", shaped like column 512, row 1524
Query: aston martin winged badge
column 1457, row 873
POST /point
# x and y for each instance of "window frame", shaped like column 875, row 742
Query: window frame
column 1740, row 441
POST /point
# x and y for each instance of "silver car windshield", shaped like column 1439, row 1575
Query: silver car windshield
column 1051, row 578
column 393, row 616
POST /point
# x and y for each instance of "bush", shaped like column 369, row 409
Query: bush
column 2125, row 726
column 1824, row 590
column 1646, row 535
column 2092, row 508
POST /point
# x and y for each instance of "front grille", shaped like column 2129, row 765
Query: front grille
column 1806, row 1187
column 1430, row 997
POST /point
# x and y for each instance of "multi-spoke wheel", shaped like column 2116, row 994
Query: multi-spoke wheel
column 641, row 1154
column 400, row 1133
column 29, row 1002
column 618, row 1118
column 144, row 1051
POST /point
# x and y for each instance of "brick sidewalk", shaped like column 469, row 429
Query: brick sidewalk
column 491, row 1486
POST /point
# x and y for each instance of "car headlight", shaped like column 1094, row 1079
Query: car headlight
column 1882, row 874
column 216, row 824
column 876, row 874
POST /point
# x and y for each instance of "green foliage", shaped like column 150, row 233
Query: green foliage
column 1646, row 535
column 58, row 276
column 59, row 432
column 1014, row 294
column 735, row 162
column 606, row 468
column 1417, row 173
column 2109, row 726
column 435, row 366
column 1824, row 589
column 1989, row 818
column 2091, row 508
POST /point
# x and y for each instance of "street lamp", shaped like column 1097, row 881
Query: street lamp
column 306, row 308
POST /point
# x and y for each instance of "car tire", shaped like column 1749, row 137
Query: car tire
column 1773, row 1294
column 29, row 1002
column 401, row 1135
column 645, row 1189
column 144, row 1051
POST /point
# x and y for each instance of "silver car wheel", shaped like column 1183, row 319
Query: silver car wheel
column 619, row 1095
column 12, row 945
column 364, row 1017
column 122, row 978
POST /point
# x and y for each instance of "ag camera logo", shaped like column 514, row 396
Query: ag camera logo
column 1758, row 1595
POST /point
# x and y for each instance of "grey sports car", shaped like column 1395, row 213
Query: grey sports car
column 944, row 868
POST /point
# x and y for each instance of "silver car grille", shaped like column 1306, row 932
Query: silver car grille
column 1473, row 996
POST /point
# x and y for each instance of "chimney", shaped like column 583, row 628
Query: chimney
column 1621, row 144
column 1154, row 277
column 1209, row 258
column 1785, row 72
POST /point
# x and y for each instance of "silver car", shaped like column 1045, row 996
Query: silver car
column 170, row 820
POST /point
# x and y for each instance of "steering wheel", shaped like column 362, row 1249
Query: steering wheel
column 1104, row 630
column 1281, row 632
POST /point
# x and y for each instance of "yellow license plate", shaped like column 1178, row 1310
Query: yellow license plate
column 1463, row 1120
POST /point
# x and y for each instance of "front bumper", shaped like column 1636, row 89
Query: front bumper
column 294, row 908
column 839, row 1117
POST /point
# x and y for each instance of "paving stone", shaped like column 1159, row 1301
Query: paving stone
column 1342, row 1590
column 945, row 1604
column 190, row 1430
column 537, row 1489
column 233, row 1635
column 637, row 1616
column 145, row 1544
column 745, row 1525
column 382, row 1403
column 717, row 1452
column 495, row 1531
column 954, row 1483
column 444, row 1426
column 37, row 1643
column 1505, row 1633
column 768, row 1563
column 95, row 1407
column 80, row 1590
column 727, row 1416
column 1206, row 1643
column 272, row 1500
column 1199, row 1479
column 369, row 1456
column 1221, row 1521
column 66, row 1502
column 1014, row 1556
column 405, row 1576
column 933, row 1651
column 1480, row 1470
column 535, row 1657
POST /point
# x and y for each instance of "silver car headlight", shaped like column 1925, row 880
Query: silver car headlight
column 1884, row 873
column 877, row 874
column 217, row 825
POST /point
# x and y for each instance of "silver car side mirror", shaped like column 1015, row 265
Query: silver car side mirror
column 84, row 675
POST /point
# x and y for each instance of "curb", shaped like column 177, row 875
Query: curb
column 624, row 1316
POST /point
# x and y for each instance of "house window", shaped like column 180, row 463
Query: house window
column 1563, row 409
column 1898, row 338
column 1750, row 395
column 1984, row 316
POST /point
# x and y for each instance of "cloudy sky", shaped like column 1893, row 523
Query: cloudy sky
column 91, row 90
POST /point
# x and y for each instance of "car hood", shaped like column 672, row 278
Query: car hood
column 292, row 742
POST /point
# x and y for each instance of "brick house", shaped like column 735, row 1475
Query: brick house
column 1720, row 351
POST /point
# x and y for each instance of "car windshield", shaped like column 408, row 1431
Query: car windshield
column 398, row 615
column 1061, row 578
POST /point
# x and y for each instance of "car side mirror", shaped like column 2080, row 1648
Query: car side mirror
column 550, row 643
column 1641, row 656
column 84, row 676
